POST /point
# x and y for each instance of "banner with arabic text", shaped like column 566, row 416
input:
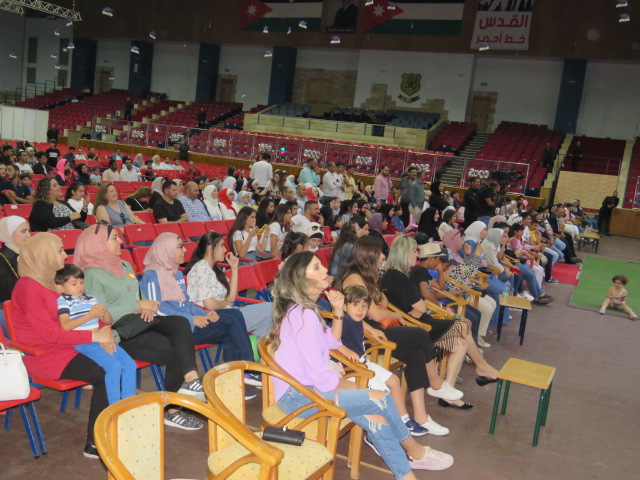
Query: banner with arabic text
column 503, row 24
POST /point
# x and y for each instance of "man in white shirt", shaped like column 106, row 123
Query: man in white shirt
column 111, row 174
column 128, row 172
column 332, row 182
column 311, row 214
column 22, row 164
column 301, row 196
column 262, row 171
column 80, row 154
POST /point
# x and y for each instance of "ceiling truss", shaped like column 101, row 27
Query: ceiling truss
column 19, row 6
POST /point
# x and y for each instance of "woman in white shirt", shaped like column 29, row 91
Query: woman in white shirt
column 279, row 229
column 243, row 236
column 211, row 201
column 78, row 199
column 448, row 221
column 228, row 209
column 208, row 286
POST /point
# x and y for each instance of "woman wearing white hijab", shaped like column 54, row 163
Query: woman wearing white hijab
column 243, row 199
column 156, row 190
column 211, row 201
column 13, row 231
column 291, row 183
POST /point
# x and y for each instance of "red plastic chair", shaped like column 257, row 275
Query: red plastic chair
column 146, row 217
column 267, row 272
column 324, row 254
column 140, row 235
column 192, row 230
column 21, row 210
column 219, row 226
column 138, row 254
column 168, row 227
column 249, row 279
column 191, row 247
column 69, row 237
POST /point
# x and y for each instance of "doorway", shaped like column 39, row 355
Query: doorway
column 104, row 79
column 227, row 90
column 482, row 110
column 320, row 95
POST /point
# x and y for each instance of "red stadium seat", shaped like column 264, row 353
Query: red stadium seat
column 168, row 227
column 140, row 235
column 22, row 210
column 192, row 230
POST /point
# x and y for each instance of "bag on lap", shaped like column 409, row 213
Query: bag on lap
column 133, row 325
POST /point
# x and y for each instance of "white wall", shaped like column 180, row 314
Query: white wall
column 115, row 54
column 48, row 43
column 443, row 76
column 252, row 69
column 610, row 101
column 527, row 88
column 328, row 59
column 175, row 70
column 11, row 34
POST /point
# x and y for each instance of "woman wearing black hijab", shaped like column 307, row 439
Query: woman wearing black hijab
column 437, row 199
column 430, row 220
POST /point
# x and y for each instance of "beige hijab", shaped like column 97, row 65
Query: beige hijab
column 39, row 259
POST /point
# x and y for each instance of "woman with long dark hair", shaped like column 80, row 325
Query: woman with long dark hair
column 209, row 287
column 138, row 201
column 279, row 228
column 301, row 342
column 51, row 213
column 243, row 236
column 264, row 213
column 77, row 198
column 350, row 232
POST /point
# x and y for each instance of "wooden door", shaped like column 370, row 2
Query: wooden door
column 320, row 96
column 481, row 112
column 227, row 90
column 104, row 81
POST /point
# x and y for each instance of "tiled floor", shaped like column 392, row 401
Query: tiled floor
column 592, row 432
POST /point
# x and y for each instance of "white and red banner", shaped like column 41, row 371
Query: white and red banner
column 503, row 24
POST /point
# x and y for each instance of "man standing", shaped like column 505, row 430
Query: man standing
column 195, row 209
column 405, row 194
column 332, row 181
column 128, row 108
column 576, row 156
column 471, row 202
column 202, row 118
column 416, row 197
column 262, row 171
column 128, row 172
column 487, row 201
column 168, row 209
column 349, row 183
column 548, row 155
column 111, row 174
column 183, row 149
column 309, row 174
column 382, row 186
column 604, row 216
column 52, row 133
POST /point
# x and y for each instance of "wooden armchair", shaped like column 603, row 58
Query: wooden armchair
column 473, row 296
column 224, row 388
column 273, row 415
column 129, row 436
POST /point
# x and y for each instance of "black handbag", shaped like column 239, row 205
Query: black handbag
column 132, row 325
column 283, row 435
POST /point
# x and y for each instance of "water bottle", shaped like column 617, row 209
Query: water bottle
column 507, row 290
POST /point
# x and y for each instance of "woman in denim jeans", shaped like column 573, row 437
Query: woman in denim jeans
column 302, row 341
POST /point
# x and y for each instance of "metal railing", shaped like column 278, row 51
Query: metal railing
column 353, row 128
column 591, row 164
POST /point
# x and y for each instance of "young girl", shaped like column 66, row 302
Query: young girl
column 301, row 341
column 243, row 236
column 616, row 297
column 279, row 228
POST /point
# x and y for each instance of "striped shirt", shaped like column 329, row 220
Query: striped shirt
column 76, row 307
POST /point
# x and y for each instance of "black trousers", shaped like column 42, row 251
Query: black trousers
column 548, row 266
column 603, row 222
column 405, row 213
column 169, row 343
column 86, row 370
column 569, row 252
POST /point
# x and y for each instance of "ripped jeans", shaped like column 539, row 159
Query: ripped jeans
column 385, row 436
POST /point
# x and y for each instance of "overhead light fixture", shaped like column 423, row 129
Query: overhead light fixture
column 624, row 17
column 335, row 40
column 13, row 55
column 112, row 77
column 54, row 56
column 107, row 11
column 56, row 66
column 289, row 31
column 70, row 46
column 391, row 6
column 483, row 47
column 622, row 4
column 69, row 22
column 152, row 35
column 135, row 50
column 265, row 29
column 56, row 32
column 368, row 3
column 268, row 54
column 303, row 24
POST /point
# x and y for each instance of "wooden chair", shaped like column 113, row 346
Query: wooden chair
column 472, row 295
column 129, row 436
column 224, row 388
column 273, row 415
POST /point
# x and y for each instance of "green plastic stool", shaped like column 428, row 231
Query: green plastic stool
column 532, row 375
column 254, row 346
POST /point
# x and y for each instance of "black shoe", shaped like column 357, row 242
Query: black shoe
column 575, row 260
column 90, row 450
column 444, row 403
column 482, row 381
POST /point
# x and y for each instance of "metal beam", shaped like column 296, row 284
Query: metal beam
column 12, row 7
column 41, row 6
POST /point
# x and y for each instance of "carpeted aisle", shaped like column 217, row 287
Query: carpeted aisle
column 595, row 280
column 565, row 273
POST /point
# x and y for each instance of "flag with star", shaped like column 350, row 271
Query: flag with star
column 280, row 15
column 414, row 17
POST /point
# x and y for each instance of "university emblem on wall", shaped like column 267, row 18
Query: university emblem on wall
column 409, row 86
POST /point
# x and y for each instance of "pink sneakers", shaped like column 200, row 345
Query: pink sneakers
column 433, row 460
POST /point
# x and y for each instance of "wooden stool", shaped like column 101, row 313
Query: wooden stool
column 526, row 373
column 593, row 238
column 513, row 301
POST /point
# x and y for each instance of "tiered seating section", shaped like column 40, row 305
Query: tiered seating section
column 454, row 137
column 50, row 100
column 237, row 121
column 407, row 119
column 289, row 110
column 602, row 156
column 631, row 197
column 72, row 114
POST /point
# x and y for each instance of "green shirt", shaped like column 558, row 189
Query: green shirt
column 119, row 295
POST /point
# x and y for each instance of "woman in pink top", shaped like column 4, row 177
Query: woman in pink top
column 302, row 341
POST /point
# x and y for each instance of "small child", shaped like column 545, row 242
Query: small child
column 96, row 177
column 356, row 305
column 616, row 297
column 23, row 190
column 77, row 311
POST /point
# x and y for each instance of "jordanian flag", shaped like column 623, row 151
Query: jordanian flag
column 414, row 17
column 280, row 15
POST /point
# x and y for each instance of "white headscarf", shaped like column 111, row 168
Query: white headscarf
column 212, row 204
column 239, row 199
column 472, row 232
column 156, row 186
column 8, row 226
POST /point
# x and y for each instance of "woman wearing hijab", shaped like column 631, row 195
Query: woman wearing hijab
column 228, row 209
column 437, row 199
column 164, row 283
column 14, row 231
column 211, row 201
column 429, row 223
column 291, row 183
column 496, row 219
column 156, row 191
column 312, row 193
column 36, row 324
column 378, row 224
column 144, row 335
column 243, row 199
column 65, row 174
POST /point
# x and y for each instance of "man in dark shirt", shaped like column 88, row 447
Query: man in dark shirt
column 168, row 209
column 471, row 202
column 548, row 154
column 42, row 167
column 604, row 216
column 8, row 194
column 202, row 118
column 128, row 107
column 52, row 133
column 71, row 158
column 183, row 150
column 576, row 156
column 487, row 201
column 52, row 154
column 7, row 155
column 569, row 251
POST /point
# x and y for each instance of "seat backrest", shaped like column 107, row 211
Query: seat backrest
column 192, row 230
column 168, row 227
column 140, row 235
column 69, row 237
column 267, row 270
column 21, row 210
column 219, row 226
column 146, row 217
column 138, row 254
column 247, row 278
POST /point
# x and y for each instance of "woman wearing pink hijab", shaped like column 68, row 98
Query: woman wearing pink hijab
column 65, row 174
column 164, row 283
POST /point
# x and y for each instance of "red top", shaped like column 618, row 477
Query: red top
column 190, row 175
column 35, row 320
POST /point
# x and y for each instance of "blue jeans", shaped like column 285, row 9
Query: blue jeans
column 119, row 370
column 485, row 220
column 530, row 278
column 385, row 436
column 257, row 317
column 231, row 332
column 496, row 288
column 555, row 256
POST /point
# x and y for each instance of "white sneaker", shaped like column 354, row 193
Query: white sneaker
column 434, row 427
column 433, row 460
column 446, row 392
